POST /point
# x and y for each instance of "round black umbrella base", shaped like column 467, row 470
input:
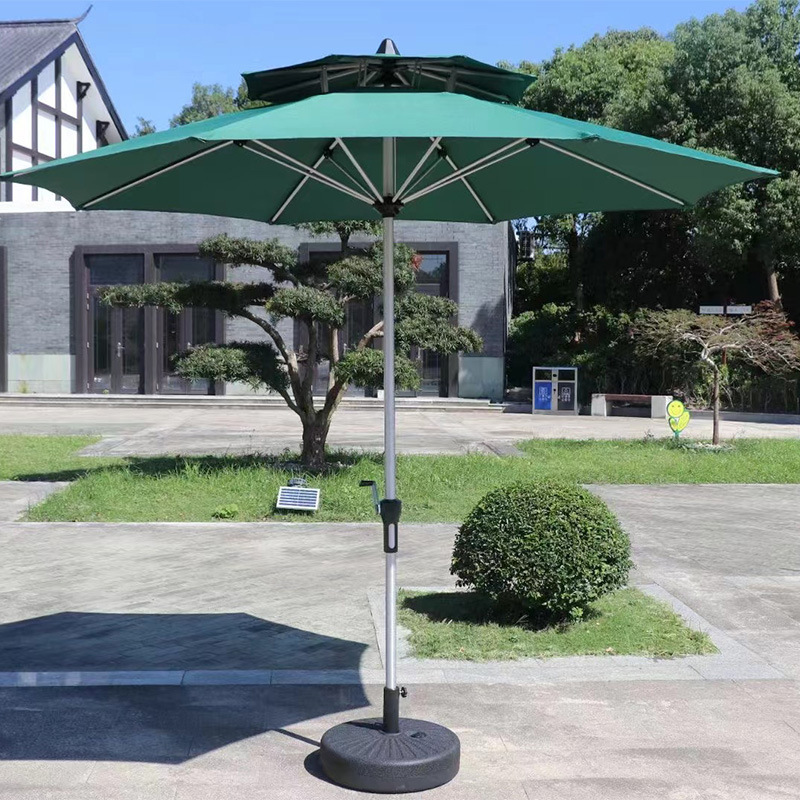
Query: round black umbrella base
column 360, row 755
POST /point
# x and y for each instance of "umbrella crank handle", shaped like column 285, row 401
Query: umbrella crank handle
column 375, row 501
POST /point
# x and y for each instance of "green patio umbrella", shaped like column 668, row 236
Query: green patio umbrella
column 370, row 137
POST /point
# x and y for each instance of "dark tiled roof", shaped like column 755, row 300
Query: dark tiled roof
column 24, row 44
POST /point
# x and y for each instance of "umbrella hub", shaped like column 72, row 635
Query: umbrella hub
column 388, row 207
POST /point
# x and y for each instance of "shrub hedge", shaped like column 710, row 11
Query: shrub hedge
column 542, row 547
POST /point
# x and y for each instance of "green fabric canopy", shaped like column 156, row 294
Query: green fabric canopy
column 457, row 159
column 337, row 73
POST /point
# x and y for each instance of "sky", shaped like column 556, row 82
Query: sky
column 150, row 52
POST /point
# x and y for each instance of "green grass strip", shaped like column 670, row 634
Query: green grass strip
column 463, row 626
column 433, row 488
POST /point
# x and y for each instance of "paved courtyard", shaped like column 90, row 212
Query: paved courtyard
column 182, row 616
column 154, row 429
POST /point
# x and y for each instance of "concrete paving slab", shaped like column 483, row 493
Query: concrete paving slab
column 17, row 497
column 134, row 430
column 591, row 738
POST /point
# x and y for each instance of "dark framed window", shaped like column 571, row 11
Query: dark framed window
column 121, row 350
column 433, row 272
column 437, row 275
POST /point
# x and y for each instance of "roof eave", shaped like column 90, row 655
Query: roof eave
column 76, row 39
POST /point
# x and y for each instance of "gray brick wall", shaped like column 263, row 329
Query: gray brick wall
column 39, row 247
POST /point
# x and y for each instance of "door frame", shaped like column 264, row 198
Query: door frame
column 3, row 320
column 81, row 309
column 116, row 332
column 451, row 249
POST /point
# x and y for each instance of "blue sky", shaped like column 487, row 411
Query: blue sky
column 149, row 52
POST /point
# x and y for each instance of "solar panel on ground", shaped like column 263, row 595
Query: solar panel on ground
column 298, row 498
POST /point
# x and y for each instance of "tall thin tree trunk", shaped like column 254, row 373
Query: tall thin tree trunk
column 715, row 408
column 773, row 291
column 575, row 262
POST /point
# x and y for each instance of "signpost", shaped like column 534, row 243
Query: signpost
column 726, row 311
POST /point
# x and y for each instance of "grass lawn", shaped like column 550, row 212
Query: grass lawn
column 433, row 488
column 40, row 457
column 460, row 625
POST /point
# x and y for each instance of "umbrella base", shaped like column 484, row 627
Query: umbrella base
column 361, row 755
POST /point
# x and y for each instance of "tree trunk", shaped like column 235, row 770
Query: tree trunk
column 574, row 261
column 773, row 292
column 575, row 267
column 315, row 435
column 715, row 408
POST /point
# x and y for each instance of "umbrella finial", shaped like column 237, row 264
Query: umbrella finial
column 388, row 47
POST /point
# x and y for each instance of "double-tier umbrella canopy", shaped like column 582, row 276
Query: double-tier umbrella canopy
column 370, row 137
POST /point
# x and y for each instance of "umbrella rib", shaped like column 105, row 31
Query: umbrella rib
column 311, row 82
column 471, row 190
column 613, row 172
column 489, row 160
column 360, row 169
column 417, row 167
column 347, row 175
column 298, row 166
column 303, row 181
column 465, row 85
column 154, row 174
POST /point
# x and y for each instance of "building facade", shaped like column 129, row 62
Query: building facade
column 56, row 337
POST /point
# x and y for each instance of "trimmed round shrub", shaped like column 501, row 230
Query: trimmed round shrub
column 542, row 547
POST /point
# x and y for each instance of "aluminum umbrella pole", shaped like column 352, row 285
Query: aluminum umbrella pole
column 390, row 507
column 392, row 754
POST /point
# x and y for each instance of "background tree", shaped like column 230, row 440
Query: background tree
column 728, row 83
column 207, row 101
column 764, row 339
column 600, row 81
column 211, row 100
column 143, row 127
column 316, row 297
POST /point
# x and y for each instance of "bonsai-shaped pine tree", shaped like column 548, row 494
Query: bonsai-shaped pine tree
column 316, row 296
column 764, row 339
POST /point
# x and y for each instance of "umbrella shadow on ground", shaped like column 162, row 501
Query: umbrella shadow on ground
column 162, row 723
column 159, row 466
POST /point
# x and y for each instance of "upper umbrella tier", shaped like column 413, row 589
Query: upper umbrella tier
column 339, row 73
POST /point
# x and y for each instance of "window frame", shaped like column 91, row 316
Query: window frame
column 81, row 300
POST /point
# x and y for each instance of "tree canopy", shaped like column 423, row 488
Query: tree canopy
column 317, row 297
column 728, row 83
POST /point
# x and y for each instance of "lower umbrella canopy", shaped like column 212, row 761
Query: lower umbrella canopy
column 457, row 158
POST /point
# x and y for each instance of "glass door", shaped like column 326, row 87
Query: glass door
column 432, row 278
column 116, row 344
column 179, row 332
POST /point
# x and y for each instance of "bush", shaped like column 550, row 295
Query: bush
column 541, row 547
column 226, row 512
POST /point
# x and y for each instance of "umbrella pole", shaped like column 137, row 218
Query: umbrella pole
column 390, row 755
column 390, row 507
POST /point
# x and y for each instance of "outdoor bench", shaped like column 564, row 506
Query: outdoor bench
column 601, row 403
